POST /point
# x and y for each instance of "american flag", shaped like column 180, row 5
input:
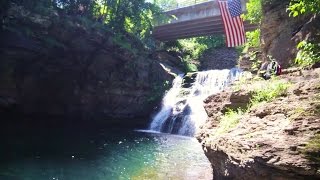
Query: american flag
column 233, row 24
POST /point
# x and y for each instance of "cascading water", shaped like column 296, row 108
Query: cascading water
column 182, row 109
column 168, row 102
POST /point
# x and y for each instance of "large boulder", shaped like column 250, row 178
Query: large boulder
column 273, row 140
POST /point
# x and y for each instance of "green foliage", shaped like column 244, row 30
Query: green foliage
column 251, row 47
column 168, row 5
column 253, row 40
column 189, row 66
column 165, row 4
column 190, row 47
column 300, row 7
column 254, row 16
column 270, row 91
column 213, row 41
column 132, row 20
column 254, row 11
column 229, row 120
column 256, row 63
column 135, row 17
column 193, row 48
column 309, row 53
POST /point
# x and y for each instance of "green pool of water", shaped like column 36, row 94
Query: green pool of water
column 103, row 155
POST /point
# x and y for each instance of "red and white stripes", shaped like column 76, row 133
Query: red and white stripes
column 233, row 26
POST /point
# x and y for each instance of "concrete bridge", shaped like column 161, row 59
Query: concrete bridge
column 201, row 19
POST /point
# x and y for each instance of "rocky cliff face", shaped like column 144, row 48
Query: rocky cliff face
column 219, row 58
column 273, row 140
column 59, row 65
column 280, row 33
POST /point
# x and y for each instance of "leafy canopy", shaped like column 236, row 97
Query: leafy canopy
column 135, row 17
column 254, row 11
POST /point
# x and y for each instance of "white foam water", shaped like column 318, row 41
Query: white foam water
column 184, row 114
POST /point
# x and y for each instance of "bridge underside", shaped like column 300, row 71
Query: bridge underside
column 193, row 28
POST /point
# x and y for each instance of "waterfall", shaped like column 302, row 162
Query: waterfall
column 182, row 110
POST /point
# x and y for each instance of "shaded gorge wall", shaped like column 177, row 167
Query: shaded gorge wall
column 60, row 65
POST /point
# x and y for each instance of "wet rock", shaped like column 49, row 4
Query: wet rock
column 188, row 80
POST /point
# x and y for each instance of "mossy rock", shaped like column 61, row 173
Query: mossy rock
column 189, row 79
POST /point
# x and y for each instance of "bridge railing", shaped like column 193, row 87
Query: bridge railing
column 182, row 4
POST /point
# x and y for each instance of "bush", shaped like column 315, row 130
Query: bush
column 308, row 54
column 300, row 7
column 252, row 46
column 253, row 40
column 213, row 41
column 189, row 66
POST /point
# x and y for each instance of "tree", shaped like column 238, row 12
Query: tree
column 254, row 11
column 299, row 7
column 166, row 4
